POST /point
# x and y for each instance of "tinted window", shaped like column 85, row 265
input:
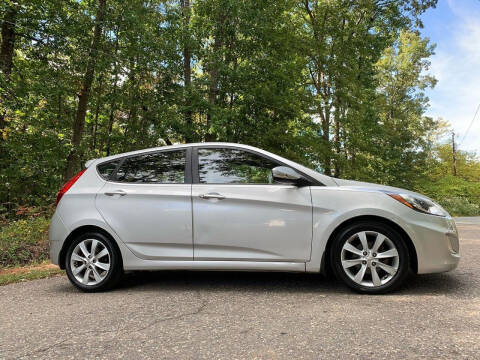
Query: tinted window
column 106, row 169
column 166, row 167
column 227, row 166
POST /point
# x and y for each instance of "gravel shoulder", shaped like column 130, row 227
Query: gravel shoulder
column 218, row 315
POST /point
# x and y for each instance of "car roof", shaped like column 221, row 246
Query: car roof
column 326, row 180
column 175, row 146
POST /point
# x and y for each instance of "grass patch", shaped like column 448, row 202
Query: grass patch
column 13, row 275
column 24, row 242
column 24, row 250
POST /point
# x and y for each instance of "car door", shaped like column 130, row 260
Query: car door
column 147, row 202
column 240, row 213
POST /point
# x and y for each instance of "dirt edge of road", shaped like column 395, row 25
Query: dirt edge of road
column 25, row 273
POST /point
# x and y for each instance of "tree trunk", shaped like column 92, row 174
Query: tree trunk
column 212, row 94
column 97, row 112
column 326, row 138
column 132, row 125
column 336, row 142
column 187, row 72
column 79, row 122
column 6, row 53
column 113, row 103
column 8, row 41
column 213, row 72
column 336, row 132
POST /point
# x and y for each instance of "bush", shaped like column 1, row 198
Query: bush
column 24, row 242
column 458, row 196
column 458, row 206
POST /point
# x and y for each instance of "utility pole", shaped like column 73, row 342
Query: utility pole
column 454, row 156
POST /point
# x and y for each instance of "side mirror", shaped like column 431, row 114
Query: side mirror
column 286, row 175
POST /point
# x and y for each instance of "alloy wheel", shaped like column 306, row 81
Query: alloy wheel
column 90, row 262
column 370, row 258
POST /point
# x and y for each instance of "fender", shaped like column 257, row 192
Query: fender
column 126, row 253
column 371, row 203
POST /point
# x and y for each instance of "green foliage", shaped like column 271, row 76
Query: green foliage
column 335, row 85
column 24, row 242
column 460, row 195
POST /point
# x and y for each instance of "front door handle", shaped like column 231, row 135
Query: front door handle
column 212, row 195
column 116, row 192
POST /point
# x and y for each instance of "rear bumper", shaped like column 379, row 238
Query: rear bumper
column 57, row 234
column 437, row 244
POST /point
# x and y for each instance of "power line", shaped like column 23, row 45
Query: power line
column 469, row 126
column 454, row 155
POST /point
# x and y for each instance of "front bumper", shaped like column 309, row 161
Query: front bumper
column 436, row 242
column 57, row 234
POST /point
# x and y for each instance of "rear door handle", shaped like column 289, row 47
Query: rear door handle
column 116, row 192
column 212, row 195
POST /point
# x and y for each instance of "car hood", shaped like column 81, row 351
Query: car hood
column 360, row 185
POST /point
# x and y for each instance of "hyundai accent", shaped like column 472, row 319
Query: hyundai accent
column 222, row 206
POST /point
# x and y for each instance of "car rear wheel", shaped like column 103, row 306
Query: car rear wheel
column 93, row 263
column 370, row 257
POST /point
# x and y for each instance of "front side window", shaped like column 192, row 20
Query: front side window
column 166, row 167
column 233, row 166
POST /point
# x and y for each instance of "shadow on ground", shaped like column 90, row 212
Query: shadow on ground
column 213, row 281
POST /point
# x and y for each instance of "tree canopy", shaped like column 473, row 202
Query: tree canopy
column 337, row 85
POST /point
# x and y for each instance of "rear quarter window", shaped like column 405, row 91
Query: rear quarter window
column 106, row 169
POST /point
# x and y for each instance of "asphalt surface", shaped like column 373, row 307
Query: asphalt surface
column 218, row 315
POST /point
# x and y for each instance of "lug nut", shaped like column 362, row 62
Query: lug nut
column 374, row 263
column 364, row 262
column 374, row 254
column 365, row 253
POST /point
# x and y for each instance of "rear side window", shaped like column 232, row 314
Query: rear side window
column 167, row 167
column 107, row 168
column 233, row 166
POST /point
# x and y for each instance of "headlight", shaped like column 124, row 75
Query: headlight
column 419, row 203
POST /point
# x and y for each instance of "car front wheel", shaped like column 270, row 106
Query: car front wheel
column 370, row 257
column 93, row 263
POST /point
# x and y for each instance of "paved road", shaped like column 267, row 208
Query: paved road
column 182, row 315
column 472, row 220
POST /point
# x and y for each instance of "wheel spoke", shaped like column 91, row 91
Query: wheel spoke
column 76, row 257
column 86, row 276
column 360, row 274
column 378, row 242
column 389, row 269
column 375, row 278
column 387, row 254
column 84, row 249
column 103, row 266
column 96, row 275
column 94, row 247
column 77, row 270
column 352, row 249
column 101, row 253
column 363, row 239
column 352, row 262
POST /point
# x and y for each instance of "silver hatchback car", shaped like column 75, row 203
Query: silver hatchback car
column 222, row 206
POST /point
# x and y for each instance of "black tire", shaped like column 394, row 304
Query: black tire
column 114, row 273
column 403, row 257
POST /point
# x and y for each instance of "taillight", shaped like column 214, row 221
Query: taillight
column 68, row 185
